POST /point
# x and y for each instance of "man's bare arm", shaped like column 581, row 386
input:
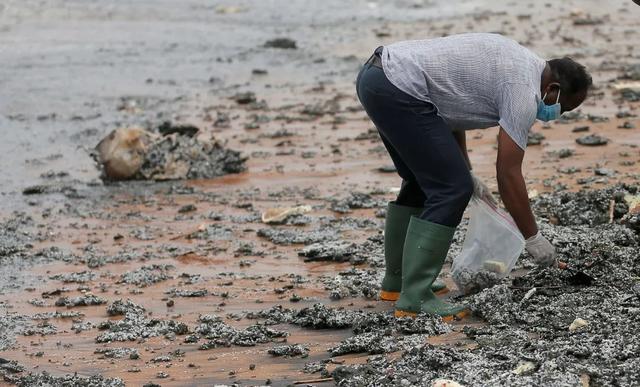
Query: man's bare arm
column 511, row 184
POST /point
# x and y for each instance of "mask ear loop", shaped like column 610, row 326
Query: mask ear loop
column 558, row 99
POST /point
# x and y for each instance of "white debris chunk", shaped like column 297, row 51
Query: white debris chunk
column 445, row 383
column 524, row 368
column 577, row 324
column 278, row 215
column 529, row 294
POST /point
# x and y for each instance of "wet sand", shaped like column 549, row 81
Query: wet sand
column 323, row 156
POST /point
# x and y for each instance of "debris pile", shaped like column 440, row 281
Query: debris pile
column 173, row 292
column 10, row 324
column 219, row 334
column 135, row 325
column 288, row 237
column 370, row 251
column 146, row 275
column 589, row 208
column 290, row 350
column 45, row 379
column 354, row 283
column 85, row 300
column 356, row 200
column 79, row 278
column 175, row 152
column 338, row 251
column 183, row 157
column 319, row 316
column 369, row 342
column 118, row 353
column 12, row 241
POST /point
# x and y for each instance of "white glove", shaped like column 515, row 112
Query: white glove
column 481, row 191
column 542, row 251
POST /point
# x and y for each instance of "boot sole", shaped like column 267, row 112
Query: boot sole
column 401, row 313
column 395, row 296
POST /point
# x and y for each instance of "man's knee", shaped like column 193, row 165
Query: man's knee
column 411, row 194
column 458, row 198
column 463, row 190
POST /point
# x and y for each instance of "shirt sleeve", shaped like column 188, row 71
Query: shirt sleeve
column 517, row 109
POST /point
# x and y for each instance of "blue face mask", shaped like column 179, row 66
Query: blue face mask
column 549, row 112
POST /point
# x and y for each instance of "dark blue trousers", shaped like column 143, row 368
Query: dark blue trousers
column 427, row 156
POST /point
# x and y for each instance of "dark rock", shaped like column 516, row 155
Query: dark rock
column 627, row 125
column 588, row 21
column 284, row 43
column 632, row 72
column 168, row 128
column 592, row 140
column 387, row 169
column 245, row 98
column 187, row 208
column 535, row 138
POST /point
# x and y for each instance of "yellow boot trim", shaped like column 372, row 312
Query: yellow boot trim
column 458, row 316
column 395, row 296
column 402, row 313
column 389, row 296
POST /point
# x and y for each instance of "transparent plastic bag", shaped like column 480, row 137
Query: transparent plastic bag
column 490, row 250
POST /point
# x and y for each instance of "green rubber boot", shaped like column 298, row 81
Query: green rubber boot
column 425, row 250
column 395, row 231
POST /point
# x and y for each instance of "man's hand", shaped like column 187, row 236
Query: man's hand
column 481, row 191
column 542, row 251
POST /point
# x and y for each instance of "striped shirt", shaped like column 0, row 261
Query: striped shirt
column 475, row 80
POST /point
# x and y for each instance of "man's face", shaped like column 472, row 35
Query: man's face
column 567, row 101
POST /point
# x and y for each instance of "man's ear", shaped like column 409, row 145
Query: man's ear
column 552, row 90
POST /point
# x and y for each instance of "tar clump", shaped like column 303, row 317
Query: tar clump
column 469, row 281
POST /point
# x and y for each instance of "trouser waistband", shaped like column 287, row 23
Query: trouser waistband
column 376, row 59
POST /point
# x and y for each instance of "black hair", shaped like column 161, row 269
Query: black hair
column 572, row 76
